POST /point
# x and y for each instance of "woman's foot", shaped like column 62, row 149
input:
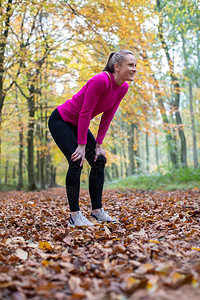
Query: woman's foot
column 79, row 220
column 102, row 216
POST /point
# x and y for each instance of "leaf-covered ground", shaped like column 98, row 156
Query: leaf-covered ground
column 152, row 253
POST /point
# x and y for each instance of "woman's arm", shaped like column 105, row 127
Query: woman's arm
column 107, row 117
column 95, row 90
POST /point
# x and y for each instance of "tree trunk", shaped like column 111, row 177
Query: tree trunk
column 137, row 148
column 180, row 129
column 3, row 41
column 107, row 174
column 6, row 173
column 147, row 152
column 114, row 167
column 42, row 179
column 30, row 147
column 53, row 176
column 124, row 152
column 131, row 168
column 14, row 175
column 38, row 169
column 21, row 153
column 156, row 152
column 194, row 136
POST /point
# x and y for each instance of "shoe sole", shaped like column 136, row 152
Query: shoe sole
column 70, row 225
column 99, row 221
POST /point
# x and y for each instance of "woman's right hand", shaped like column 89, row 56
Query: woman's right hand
column 79, row 154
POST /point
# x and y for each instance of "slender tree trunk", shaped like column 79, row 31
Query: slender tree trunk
column 14, row 175
column 21, row 145
column 6, row 173
column 47, row 158
column 114, row 165
column 53, row 176
column 21, row 154
column 4, row 30
column 121, row 163
column 194, row 136
column 42, row 180
column 30, row 142
column 30, row 149
column 114, row 168
column 131, row 169
column 147, row 151
column 182, row 139
column 124, row 151
column 38, row 169
column 107, row 174
column 137, row 148
column 156, row 152
column 124, row 154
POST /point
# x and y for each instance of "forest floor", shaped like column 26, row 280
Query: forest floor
column 152, row 253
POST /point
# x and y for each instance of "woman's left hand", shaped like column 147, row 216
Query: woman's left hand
column 99, row 151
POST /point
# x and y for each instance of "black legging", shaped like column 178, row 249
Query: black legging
column 65, row 136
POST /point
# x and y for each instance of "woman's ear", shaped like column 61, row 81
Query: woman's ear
column 116, row 67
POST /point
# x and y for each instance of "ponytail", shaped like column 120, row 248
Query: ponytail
column 115, row 58
column 109, row 67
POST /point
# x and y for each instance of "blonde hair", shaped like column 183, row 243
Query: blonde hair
column 116, row 58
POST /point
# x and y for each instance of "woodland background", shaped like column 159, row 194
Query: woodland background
column 49, row 49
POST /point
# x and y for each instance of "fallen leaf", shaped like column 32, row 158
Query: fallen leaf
column 20, row 253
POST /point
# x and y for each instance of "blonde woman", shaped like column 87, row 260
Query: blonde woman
column 69, row 126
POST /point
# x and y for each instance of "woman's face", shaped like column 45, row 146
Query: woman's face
column 127, row 69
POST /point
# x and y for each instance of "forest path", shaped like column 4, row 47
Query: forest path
column 153, row 252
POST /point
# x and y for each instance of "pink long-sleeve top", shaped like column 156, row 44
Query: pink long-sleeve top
column 100, row 94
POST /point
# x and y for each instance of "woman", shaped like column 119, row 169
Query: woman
column 69, row 125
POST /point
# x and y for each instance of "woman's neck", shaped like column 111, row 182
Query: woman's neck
column 117, row 79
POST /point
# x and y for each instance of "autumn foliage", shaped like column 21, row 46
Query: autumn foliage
column 153, row 251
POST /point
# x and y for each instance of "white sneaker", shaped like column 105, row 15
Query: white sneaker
column 102, row 216
column 79, row 220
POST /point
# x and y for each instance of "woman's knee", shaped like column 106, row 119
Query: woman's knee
column 75, row 165
column 100, row 162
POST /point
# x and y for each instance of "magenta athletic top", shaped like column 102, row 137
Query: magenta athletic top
column 99, row 94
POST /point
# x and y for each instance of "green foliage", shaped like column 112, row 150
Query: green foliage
column 173, row 180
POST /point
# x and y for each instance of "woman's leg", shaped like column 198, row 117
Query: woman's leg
column 65, row 136
column 96, row 181
column 96, row 178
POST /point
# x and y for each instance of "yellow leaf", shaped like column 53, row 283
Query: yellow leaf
column 176, row 276
column 145, row 268
column 132, row 281
column 45, row 263
column 154, row 241
column 45, row 246
column 130, row 225
column 195, row 248
column 195, row 282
